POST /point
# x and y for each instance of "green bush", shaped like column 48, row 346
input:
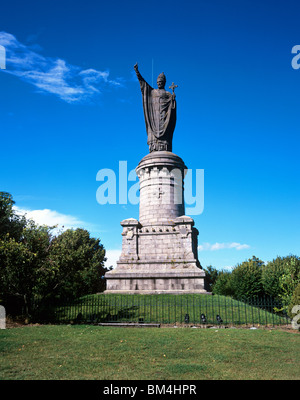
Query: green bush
column 24, row 263
column 222, row 285
column 294, row 302
column 211, row 277
column 11, row 224
column 272, row 275
column 78, row 261
column 35, row 263
column 289, row 280
column 246, row 279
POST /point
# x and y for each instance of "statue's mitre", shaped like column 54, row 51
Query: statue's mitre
column 162, row 77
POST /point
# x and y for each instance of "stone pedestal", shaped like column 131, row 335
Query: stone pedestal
column 159, row 252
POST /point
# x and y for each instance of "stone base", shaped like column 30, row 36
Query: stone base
column 158, row 259
column 150, row 292
column 145, row 282
column 159, row 251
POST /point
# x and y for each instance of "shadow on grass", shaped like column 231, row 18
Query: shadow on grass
column 127, row 313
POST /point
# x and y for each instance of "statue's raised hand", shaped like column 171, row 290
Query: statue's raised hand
column 136, row 67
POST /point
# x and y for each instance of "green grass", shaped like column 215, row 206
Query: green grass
column 104, row 353
column 167, row 309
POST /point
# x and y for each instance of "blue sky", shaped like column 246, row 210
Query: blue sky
column 70, row 106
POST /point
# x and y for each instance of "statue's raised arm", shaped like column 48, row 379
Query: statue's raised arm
column 136, row 68
column 159, row 111
column 140, row 78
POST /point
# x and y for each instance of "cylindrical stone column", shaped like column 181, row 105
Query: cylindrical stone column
column 161, row 175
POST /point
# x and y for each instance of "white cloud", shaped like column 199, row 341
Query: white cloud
column 221, row 246
column 227, row 268
column 49, row 75
column 51, row 218
column 112, row 257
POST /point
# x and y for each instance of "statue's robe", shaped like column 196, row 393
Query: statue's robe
column 160, row 116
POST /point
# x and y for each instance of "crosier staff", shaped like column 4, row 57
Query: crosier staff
column 173, row 87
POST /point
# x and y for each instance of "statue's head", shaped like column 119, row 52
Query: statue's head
column 161, row 81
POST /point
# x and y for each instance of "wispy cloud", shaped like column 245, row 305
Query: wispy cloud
column 64, row 222
column 221, row 246
column 51, row 218
column 55, row 76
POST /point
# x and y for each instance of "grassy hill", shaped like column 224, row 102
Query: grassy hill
column 164, row 309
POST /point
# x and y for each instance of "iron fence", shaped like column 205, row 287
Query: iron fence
column 163, row 309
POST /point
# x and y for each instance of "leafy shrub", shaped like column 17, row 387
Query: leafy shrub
column 295, row 301
column 35, row 263
column 272, row 274
column 289, row 280
column 211, row 277
column 78, row 262
column 246, row 279
column 223, row 285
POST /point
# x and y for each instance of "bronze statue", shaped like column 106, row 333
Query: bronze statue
column 159, row 111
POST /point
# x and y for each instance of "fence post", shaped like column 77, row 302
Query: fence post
column 175, row 300
column 181, row 308
column 252, row 310
column 193, row 309
column 266, row 309
column 271, row 299
column 219, row 310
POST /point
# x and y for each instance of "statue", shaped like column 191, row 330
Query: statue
column 159, row 111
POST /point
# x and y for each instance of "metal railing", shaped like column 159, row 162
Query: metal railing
column 164, row 309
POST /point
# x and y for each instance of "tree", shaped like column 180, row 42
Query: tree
column 272, row 274
column 295, row 301
column 24, row 263
column 289, row 280
column 78, row 262
column 211, row 277
column 10, row 222
column 34, row 263
column 246, row 278
column 223, row 284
